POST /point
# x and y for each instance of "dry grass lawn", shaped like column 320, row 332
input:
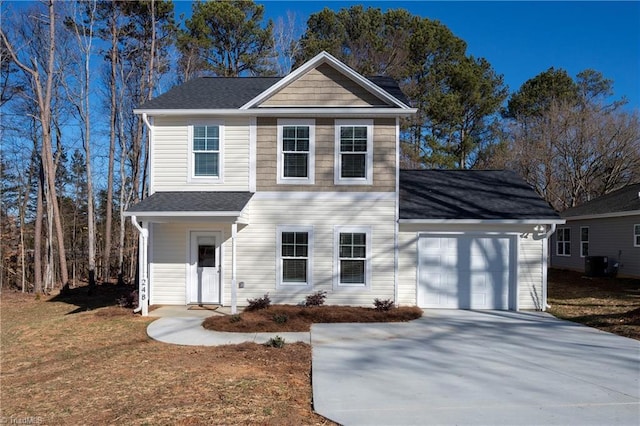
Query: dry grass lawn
column 80, row 360
column 610, row 304
column 281, row 318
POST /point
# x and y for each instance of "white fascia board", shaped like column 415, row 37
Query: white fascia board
column 604, row 215
column 354, row 112
column 183, row 214
column 323, row 196
column 319, row 59
column 484, row 221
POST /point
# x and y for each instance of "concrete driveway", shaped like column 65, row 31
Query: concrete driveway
column 475, row 367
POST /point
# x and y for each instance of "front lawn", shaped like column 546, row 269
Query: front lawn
column 610, row 304
column 81, row 360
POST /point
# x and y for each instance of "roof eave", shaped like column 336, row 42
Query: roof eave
column 604, row 215
column 289, row 112
column 549, row 221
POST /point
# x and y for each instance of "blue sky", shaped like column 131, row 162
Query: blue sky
column 522, row 39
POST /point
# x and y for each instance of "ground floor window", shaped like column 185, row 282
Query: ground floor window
column 636, row 235
column 295, row 247
column 563, row 242
column 584, row 241
column 353, row 256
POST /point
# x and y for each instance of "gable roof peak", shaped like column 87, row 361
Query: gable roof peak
column 313, row 63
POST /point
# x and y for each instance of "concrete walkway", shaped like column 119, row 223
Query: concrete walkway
column 180, row 326
column 475, row 368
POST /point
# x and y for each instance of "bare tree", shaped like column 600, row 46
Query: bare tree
column 286, row 42
column 40, row 73
column 81, row 24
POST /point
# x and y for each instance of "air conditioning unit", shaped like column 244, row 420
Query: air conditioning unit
column 596, row 266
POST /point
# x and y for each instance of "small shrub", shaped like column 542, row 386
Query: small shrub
column 275, row 342
column 235, row 318
column 383, row 305
column 129, row 300
column 260, row 303
column 316, row 299
column 280, row 318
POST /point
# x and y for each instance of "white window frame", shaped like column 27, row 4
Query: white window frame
column 290, row 228
column 336, row 257
column 192, row 178
column 368, row 179
column 583, row 242
column 564, row 242
column 636, row 235
column 311, row 176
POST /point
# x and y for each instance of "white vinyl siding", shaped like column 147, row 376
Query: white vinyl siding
column 257, row 245
column 170, row 156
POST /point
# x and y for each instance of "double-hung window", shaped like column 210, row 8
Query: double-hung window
column 636, row 235
column 206, row 152
column 584, row 241
column 563, row 242
column 295, row 250
column 353, row 256
column 354, row 152
column 296, row 151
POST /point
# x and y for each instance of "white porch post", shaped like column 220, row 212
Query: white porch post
column 234, row 284
column 143, row 289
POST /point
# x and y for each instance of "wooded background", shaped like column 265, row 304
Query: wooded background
column 74, row 156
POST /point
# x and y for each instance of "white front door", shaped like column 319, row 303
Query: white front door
column 204, row 282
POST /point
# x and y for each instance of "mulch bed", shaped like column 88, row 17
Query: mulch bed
column 283, row 318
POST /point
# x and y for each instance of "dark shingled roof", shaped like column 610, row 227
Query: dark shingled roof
column 233, row 92
column 212, row 93
column 623, row 200
column 199, row 201
column 469, row 194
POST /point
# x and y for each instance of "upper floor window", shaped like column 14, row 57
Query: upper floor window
column 584, row 241
column 206, row 151
column 354, row 152
column 563, row 242
column 636, row 235
column 296, row 151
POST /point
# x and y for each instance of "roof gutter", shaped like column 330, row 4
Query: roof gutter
column 484, row 221
column 282, row 112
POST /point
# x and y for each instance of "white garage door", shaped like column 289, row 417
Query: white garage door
column 465, row 272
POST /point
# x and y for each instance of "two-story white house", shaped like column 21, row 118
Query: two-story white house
column 292, row 185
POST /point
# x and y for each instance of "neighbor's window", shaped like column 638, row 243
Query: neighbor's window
column 206, row 151
column 564, row 242
column 636, row 235
column 294, row 257
column 354, row 151
column 353, row 256
column 584, row 241
column 296, row 155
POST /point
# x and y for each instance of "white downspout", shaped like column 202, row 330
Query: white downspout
column 545, row 256
column 142, row 265
column 234, row 284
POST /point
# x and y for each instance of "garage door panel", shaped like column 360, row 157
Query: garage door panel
column 466, row 272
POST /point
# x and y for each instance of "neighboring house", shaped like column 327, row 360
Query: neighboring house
column 292, row 185
column 606, row 226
